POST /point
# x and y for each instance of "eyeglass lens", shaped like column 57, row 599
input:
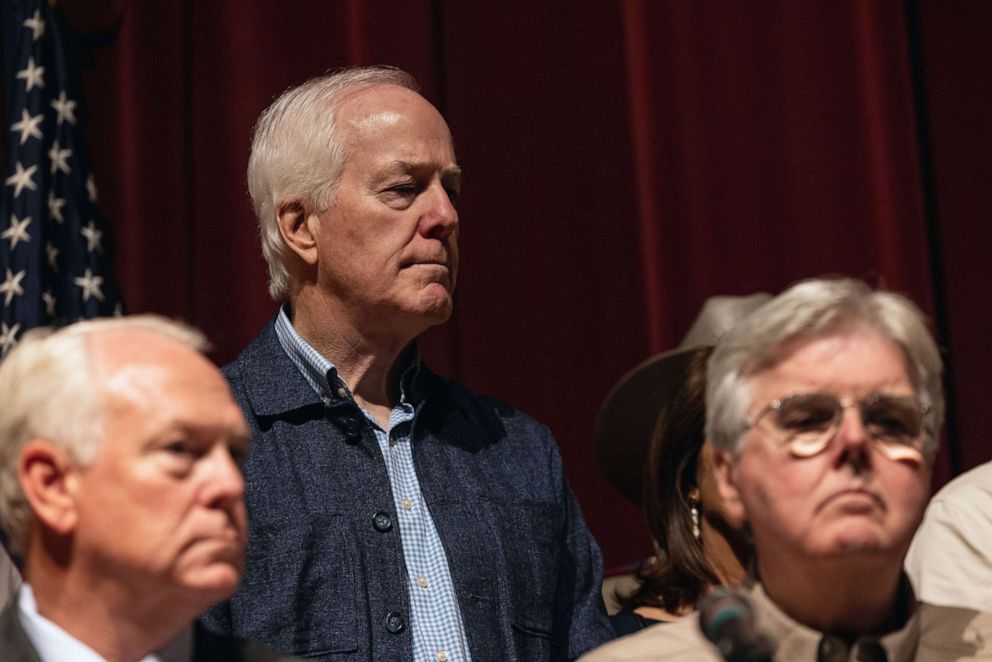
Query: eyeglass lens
column 809, row 422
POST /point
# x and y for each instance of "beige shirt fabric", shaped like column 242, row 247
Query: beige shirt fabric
column 950, row 560
column 931, row 634
column 10, row 579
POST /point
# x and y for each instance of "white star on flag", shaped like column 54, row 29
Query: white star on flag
column 90, row 284
column 93, row 237
column 37, row 25
column 28, row 126
column 54, row 243
column 22, row 179
column 18, row 231
column 32, row 75
column 59, row 158
column 49, row 300
column 53, row 256
column 8, row 337
column 55, row 206
column 11, row 287
column 91, row 187
column 66, row 109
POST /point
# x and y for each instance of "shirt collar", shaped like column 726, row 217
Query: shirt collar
column 322, row 375
column 53, row 644
column 793, row 640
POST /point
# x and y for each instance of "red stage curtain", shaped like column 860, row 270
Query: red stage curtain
column 623, row 161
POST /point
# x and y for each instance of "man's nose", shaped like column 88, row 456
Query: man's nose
column 225, row 483
column 440, row 218
column 852, row 439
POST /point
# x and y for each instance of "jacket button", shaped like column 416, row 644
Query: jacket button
column 352, row 429
column 382, row 522
column 394, row 622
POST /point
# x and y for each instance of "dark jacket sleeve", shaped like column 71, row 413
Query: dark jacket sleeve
column 581, row 622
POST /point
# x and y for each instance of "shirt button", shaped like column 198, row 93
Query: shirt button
column 831, row 650
column 394, row 622
column 382, row 522
column 871, row 651
column 407, row 504
column 442, row 656
column 343, row 392
column 422, row 581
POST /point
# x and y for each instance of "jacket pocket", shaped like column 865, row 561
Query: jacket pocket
column 529, row 533
column 298, row 594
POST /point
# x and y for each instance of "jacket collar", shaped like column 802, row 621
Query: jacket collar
column 275, row 385
column 271, row 381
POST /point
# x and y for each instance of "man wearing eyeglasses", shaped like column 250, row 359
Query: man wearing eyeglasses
column 825, row 406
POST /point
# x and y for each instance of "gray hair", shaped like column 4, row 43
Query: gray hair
column 48, row 391
column 298, row 153
column 813, row 309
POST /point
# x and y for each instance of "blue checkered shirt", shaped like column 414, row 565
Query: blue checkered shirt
column 438, row 631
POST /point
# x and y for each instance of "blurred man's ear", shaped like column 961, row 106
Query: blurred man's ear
column 45, row 473
column 723, row 472
column 298, row 230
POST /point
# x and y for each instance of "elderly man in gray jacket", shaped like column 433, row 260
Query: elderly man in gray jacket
column 394, row 514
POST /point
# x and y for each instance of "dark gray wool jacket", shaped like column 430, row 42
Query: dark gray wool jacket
column 325, row 575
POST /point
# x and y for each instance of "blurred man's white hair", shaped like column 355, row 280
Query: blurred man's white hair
column 48, row 391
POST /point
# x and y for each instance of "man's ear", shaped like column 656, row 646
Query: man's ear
column 723, row 464
column 45, row 473
column 298, row 229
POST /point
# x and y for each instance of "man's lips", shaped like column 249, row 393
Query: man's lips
column 225, row 536
column 855, row 498
column 426, row 263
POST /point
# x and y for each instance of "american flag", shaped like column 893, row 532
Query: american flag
column 55, row 262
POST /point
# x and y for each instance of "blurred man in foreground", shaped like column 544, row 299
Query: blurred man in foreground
column 825, row 406
column 120, row 488
column 395, row 515
column 10, row 579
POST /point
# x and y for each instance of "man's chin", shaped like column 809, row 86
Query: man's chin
column 213, row 583
column 859, row 538
column 436, row 303
column 213, row 566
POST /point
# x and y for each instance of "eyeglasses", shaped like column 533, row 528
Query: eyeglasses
column 807, row 423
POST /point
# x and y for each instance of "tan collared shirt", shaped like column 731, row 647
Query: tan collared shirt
column 962, row 635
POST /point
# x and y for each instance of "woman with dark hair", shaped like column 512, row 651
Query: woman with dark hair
column 651, row 448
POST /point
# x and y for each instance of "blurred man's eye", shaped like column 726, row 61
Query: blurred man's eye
column 239, row 454
column 181, row 448
column 180, row 456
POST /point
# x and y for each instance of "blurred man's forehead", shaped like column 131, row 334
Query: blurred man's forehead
column 174, row 391
column 139, row 365
column 110, row 350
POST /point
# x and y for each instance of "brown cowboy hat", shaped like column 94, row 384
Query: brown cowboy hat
column 627, row 420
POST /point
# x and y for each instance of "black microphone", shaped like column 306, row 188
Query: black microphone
column 727, row 619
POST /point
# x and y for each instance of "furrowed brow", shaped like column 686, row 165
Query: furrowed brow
column 415, row 166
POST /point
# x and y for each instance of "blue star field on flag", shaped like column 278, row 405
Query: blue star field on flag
column 55, row 258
